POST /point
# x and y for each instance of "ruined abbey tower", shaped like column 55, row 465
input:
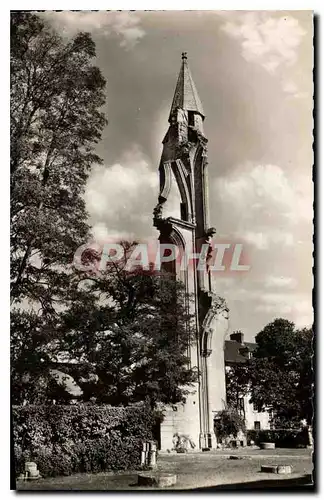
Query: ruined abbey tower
column 184, row 164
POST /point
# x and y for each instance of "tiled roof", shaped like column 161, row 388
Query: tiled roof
column 186, row 95
column 234, row 352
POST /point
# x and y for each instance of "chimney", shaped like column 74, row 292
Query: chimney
column 238, row 337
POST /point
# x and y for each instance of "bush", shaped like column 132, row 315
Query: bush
column 80, row 438
column 283, row 438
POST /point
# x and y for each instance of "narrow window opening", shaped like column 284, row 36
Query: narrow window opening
column 183, row 211
column 257, row 425
column 191, row 118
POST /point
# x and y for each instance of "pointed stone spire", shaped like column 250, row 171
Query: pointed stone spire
column 186, row 96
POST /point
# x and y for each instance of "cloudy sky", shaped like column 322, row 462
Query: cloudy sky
column 253, row 72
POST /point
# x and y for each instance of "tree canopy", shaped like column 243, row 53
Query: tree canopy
column 130, row 338
column 56, row 120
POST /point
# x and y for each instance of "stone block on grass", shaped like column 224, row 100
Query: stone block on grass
column 267, row 446
column 159, row 480
column 276, row 469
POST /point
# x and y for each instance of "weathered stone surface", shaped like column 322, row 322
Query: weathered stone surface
column 152, row 459
column 267, row 446
column 30, row 466
column 31, row 469
column 159, row 480
column 284, row 469
column 183, row 166
column 186, row 96
column 276, row 469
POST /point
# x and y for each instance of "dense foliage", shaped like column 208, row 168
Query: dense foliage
column 279, row 377
column 228, row 423
column 283, row 438
column 281, row 373
column 122, row 336
column 237, row 384
column 80, row 438
column 131, row 338
column 56, row 95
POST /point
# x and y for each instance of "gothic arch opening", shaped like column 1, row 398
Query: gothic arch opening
column 172, row 207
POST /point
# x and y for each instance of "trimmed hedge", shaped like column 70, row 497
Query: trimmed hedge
column 80, row 438
column 283, row 438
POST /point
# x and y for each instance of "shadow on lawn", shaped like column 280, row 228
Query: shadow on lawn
column 303, row 483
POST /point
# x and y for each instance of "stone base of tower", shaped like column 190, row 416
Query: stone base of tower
column 181, row 419
column 207, row 440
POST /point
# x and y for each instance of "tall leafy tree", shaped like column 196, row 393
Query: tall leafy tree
column 56, row 119
column 281, row 375
column 123, row 336
column 131, row 338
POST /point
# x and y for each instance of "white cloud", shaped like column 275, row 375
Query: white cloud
column 295, row 309
column 292, row 90
column 290, row 87
column 268, row 208
column 102, row 234
column 305, row 321
column 277, row 309
column 297, row 306
column 114, row 188
column 280, row 282
column 126, row 25
column 120, row 198
column 171, row 207
column 266, row 39
column 224, row 282
column 256, row 183
column 263, row 240
column 261, row 297
column 266, row 202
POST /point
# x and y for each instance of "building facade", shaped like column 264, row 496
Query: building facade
column 237, row 351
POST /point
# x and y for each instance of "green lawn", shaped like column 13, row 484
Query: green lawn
column 194, row 470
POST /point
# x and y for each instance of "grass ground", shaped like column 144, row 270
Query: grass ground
column 197, row 471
